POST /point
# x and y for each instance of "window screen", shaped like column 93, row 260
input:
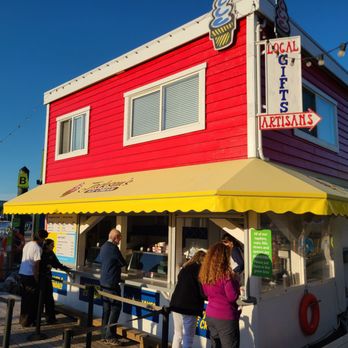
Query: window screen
column 181, row 102
column 146, row 114
column 78, row 139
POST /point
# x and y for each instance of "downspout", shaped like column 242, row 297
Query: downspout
column 259, row 26
column 44, row 160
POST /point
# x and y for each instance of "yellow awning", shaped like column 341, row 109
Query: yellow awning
column 240, row 185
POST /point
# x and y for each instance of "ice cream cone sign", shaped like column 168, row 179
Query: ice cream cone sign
column 223, row 23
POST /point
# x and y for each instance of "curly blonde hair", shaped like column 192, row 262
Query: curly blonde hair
column 216, row 264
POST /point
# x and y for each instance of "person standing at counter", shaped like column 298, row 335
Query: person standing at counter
column 187, row 302
column 221, row 286
column 111, row 261
column 29, row 277
column 237, row 260
column 48, row 261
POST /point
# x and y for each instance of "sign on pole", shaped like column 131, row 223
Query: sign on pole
column 282, row 20
column 23, row 180
column 283, row 75
column 308, row 119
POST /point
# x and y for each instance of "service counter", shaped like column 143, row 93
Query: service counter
column 284, row 254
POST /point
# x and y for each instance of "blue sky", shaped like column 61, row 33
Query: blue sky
column 46, row 43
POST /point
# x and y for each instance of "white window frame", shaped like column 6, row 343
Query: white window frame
column 71, row 115
column 158, row 86
column 319, row 93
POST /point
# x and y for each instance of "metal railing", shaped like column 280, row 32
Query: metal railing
column 10, row 301
column 88, row 330
column 68, row 334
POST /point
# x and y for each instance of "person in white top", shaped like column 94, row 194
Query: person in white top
column 29, row 275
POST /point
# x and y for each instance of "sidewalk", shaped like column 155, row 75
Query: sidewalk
column 20, row 337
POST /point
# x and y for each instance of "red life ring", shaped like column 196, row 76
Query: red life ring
column 309, row 301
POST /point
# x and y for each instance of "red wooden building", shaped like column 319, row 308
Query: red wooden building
column 163, row 142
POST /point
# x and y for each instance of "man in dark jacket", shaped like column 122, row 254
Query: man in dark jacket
column 111, row 261
column 48, row 261
column 237, row 260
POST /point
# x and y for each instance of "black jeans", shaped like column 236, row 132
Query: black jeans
column 111, row 311
column 29, row 303
column 223, row 333
column 48, row 300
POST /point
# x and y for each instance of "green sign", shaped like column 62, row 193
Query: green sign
column 261, row 253
column 23, row 179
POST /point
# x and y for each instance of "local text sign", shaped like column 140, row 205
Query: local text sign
column 261, row 253
column 283, row 75
column 290, row 120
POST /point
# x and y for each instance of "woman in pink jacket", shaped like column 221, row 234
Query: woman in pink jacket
column 222, row 289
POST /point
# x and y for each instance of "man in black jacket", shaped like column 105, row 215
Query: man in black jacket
column 111, row 261
column 48, row 261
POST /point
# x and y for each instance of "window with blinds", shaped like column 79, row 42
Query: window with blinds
column 72, row 134
column 171, row 106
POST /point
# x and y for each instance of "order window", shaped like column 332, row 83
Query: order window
column 72, row 134
column 301, row 248
column 95, row 237
column 325, row 133
column 171, row 106
column 147, row 247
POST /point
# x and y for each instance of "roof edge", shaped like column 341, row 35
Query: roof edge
column 181, row 35
column 267, row 9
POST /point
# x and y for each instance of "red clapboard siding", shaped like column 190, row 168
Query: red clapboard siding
column 285, row 147
column 223, row 139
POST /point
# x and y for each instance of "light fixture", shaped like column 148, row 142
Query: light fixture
column 342, row 50
column 321, row 61
column 308, row 63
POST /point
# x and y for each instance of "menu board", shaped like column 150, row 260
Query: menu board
column 63, row 230
column 261, row 253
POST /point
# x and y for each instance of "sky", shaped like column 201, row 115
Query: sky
column 47, row 43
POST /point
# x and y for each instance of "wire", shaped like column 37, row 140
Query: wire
column 19, row 126
column 320, row 57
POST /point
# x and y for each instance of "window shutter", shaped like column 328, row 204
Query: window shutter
column 145, row 115
column 181, row 103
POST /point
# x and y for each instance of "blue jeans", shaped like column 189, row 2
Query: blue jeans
column 111, row 312
column 184, row 330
